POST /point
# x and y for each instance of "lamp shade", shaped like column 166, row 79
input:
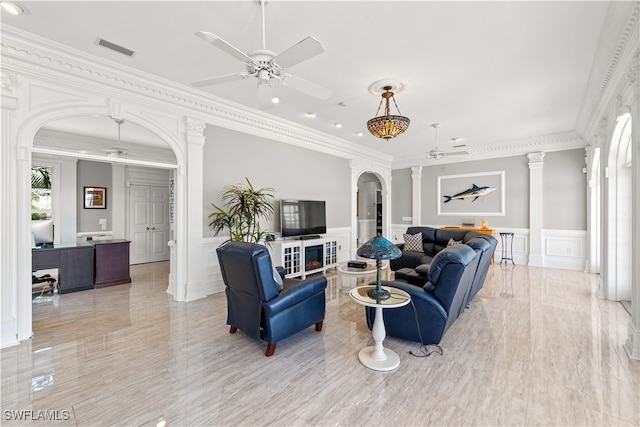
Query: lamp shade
column 379, row 248
column 388, row 125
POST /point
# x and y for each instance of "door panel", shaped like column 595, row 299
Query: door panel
column 149, row 228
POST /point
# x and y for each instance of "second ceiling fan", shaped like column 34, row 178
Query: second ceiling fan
column 266, row 65
column 438, row 153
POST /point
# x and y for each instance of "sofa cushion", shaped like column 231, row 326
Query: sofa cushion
column 413, row 242
column 452, row 242
column 423, row 269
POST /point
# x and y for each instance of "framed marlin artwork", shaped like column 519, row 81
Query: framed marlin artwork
column 478, row 194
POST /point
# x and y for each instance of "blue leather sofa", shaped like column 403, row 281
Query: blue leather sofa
column 255, row 303
column 435, row 306
column 413, row 267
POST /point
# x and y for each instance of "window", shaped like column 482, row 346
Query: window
column 41, row 206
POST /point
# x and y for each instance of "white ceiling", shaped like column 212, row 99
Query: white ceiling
column 490, row 72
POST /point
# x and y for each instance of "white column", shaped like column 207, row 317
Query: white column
column 8, row 234
column 536, row 162
column 632, row 346
column 416, row 195
column 118, row 201
column 196, row 262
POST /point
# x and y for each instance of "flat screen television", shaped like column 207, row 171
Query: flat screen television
column 302, row 217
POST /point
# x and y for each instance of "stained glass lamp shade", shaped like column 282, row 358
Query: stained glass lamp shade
column 379, row 249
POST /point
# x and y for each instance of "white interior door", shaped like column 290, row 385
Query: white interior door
column 149, row 223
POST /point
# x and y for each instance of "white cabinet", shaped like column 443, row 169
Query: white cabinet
column 302, row 257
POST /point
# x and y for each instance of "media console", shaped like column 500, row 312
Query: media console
column 305, row 256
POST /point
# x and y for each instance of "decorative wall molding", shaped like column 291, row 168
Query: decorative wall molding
column 44, row 59
column 548, row 143
column 617, row 50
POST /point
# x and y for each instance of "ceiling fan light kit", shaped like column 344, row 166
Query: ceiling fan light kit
column 387, row 126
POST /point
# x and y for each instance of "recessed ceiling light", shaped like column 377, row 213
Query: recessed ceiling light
column 342, row 104
column 311, row 115
column 14, row 8
column 338, row 125
column 358, row 133
column 275, row 100
column 456, row 139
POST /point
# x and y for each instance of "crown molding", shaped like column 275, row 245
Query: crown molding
column 554, row 142
column 27, row 54
column 612, row 65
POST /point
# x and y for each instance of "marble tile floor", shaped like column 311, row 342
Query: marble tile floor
column 535, row 347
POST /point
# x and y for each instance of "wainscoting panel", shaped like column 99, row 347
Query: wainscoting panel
column 565, row 249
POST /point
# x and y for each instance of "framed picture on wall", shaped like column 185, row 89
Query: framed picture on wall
column 95, row 198
column 474, row 194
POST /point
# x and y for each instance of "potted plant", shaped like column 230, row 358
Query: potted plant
column 244, row 207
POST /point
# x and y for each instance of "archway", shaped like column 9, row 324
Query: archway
column 369, row 207
column 25, row 138
column 619, row 285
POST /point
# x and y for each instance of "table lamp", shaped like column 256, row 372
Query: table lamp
column 379, row 248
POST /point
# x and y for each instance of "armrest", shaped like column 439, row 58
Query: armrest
column 294, row 292
column 281, row 271
column 422, row 300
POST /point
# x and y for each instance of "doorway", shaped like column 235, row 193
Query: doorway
column 149, row 223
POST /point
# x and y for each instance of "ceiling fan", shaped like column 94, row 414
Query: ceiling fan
column 266, row 65
column 117, row 151
column 438, row 153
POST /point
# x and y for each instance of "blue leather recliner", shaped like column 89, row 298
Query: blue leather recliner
column 255, row 303
column 435, row 306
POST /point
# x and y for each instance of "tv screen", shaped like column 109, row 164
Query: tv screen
column 302, row 217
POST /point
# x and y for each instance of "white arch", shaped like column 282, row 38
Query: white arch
column 25, row 134
column 384, row 176
column 619, row 193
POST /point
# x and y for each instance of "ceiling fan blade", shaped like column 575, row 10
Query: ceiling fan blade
column 265, row 96
column 306, row 86
column 303, row 50
column 220, row 79
column 223, row 45
column 455, row 153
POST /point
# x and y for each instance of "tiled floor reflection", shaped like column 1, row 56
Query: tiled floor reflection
column 534, row 348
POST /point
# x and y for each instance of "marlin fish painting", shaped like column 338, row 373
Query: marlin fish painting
column 474, row 192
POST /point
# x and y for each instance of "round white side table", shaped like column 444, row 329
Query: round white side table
column 377, row 357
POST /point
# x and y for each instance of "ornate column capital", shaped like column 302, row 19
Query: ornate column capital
column 195, row 127
column 10, row 82
column 536, row 160
column 416, row 172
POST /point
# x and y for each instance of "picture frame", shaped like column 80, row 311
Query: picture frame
column 95, row 198
column 491, row 204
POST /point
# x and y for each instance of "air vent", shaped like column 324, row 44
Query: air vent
column 115, row 47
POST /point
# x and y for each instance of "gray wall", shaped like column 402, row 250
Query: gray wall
column 400, row 195
column 294, row 173
column 564, row 195
column 516, row 192
column 93, row 174
column 565, row 191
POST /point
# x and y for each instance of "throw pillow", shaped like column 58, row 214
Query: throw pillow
column 453, row 242
column 413, row 242
column 277, row 278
